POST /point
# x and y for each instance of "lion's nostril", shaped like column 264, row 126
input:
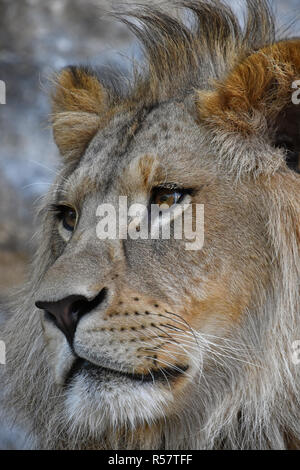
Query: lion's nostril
column 67, row 312
column 75, row 309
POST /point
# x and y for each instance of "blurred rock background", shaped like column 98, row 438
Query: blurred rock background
column 38, row 37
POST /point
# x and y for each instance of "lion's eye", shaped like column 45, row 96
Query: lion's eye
column 165, row 196
column 69, row 219
column 66, row 215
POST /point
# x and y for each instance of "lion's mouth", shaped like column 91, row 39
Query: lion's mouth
column 166, row 374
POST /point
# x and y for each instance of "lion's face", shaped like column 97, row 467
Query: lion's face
column 146, row 314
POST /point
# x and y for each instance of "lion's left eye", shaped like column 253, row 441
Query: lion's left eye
column 164, row 196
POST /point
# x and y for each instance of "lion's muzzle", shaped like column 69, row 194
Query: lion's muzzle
column 66, row 313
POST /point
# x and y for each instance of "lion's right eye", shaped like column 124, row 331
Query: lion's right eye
column 66, row 215
column 69, row 219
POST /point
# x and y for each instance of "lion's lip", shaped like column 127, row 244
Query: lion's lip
column 166, row 374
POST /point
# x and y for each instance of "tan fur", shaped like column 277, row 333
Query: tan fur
column 79, row 107
column 260, row 83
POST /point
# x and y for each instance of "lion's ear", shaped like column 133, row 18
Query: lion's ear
column 258, row 103
column 79, row 102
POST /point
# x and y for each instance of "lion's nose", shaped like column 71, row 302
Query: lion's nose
column 67, row 312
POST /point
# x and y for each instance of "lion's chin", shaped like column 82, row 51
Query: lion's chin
column 99, row 399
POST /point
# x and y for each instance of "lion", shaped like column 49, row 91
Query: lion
column 140, row 343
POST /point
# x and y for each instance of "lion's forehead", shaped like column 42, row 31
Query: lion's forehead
column 161, row 141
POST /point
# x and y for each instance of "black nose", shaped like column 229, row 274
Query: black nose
column 67, row 312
